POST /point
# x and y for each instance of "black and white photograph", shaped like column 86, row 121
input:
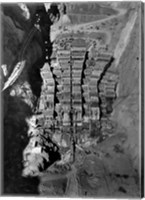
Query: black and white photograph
column 71, row 99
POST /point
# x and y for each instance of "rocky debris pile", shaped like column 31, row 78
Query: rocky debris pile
column 24, row 91
column 40, row 151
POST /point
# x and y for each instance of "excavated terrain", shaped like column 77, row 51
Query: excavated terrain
column 70, row 99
